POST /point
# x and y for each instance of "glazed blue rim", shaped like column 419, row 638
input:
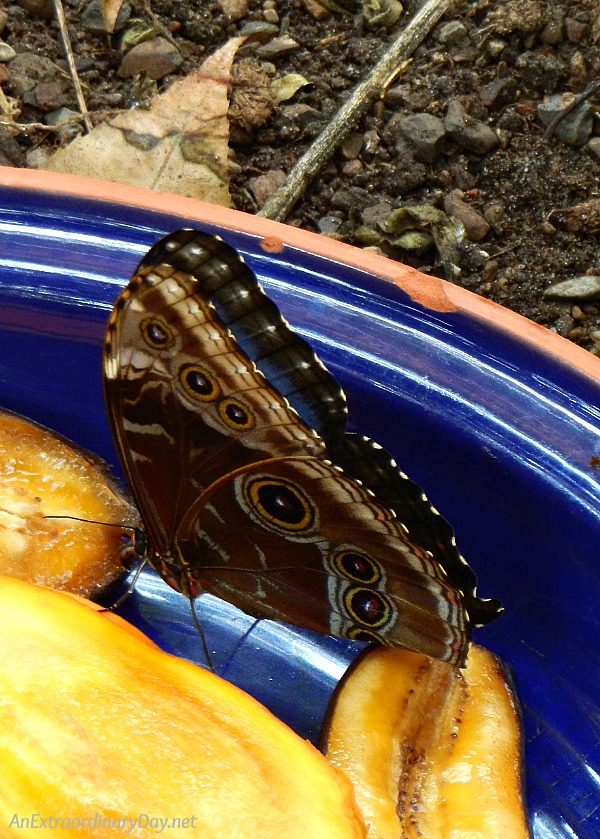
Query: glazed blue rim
column 500, row 433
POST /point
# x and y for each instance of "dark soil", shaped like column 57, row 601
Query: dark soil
column 499, row 60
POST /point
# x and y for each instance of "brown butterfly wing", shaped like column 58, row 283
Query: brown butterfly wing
column 297, row 539
column 375, row 468
column 234, row 487
column 184, row 404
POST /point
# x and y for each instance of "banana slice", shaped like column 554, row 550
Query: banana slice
column 433, row 752
column 42, row 474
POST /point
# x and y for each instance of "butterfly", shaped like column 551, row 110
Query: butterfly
column 232, row 436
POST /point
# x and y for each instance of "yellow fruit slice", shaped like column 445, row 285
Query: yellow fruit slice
column 97, row 723
column 433, row 752
column 43, row 474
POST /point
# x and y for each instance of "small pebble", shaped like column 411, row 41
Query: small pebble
column 585, row 287
column 372, row 141
column 576, row 127
column 114, row 99
column 27, row 69
column 352, row 167
column 38, row 158
column 234, row 9
column 490, row 270
column 459, row 169
column 497, row 93
column 7, row 53
column 68, row 122
column 563, row 325
column 315, row 9
column 264, row 186
column 61, row 116
column 43, row 8
column 495, row 46
column 594, row 146
column 259, row 31
column 425, row 133
column 352, row 198
column 575, row 30
column 49, row 96
column 452, row 32
column 156, row 58
column 352, row 146
column 329, row 224
column 578, row 68
column 495, row 214
column 3, row 20
column 476, row 227
column 468, row 132
column 277, row 47
column 552, row 33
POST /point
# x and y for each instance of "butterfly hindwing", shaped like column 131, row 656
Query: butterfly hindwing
column 310, row 545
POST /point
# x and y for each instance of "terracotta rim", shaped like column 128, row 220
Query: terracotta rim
column 431, row 292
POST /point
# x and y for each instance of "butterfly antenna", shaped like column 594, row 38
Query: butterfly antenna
column 199, row 628
column 93, row 521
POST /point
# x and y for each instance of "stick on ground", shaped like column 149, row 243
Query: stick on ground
column 62, row 26
column 360, row 101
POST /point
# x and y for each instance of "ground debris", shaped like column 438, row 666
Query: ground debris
column 584, row 216
column 493, row 61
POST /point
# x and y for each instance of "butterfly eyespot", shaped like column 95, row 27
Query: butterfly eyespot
column 199, row 384
column 236, row 415
column 281, row 503
column 358, row 567
column 356, row 633
column 157, row 335
column 367, row 607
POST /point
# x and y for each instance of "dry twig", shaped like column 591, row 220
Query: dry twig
column 360, row 101
column 590, row 91
column 62, row 26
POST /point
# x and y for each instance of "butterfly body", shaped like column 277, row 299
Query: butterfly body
column 226, row 422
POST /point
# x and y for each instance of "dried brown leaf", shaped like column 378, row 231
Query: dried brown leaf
column 110, row 13
column 178, row 144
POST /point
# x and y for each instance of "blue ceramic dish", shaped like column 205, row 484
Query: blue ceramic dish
column 493, row 422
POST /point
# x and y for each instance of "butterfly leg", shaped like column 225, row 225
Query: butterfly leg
column 200, row 630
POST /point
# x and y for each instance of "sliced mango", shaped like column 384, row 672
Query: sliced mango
column 43, row 474
column 97, row 723
column 432, row 751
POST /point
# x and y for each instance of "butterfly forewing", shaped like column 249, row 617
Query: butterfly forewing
column 183, row 400
column 234, row 482
column 285, row 359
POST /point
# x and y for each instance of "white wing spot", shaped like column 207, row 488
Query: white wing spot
column 155, row 429
column 111, row 368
